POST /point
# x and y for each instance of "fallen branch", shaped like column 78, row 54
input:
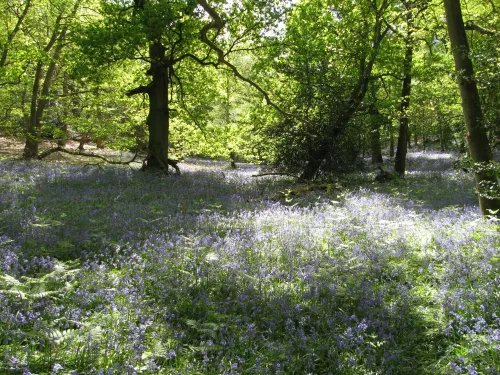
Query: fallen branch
column 281, row 174
column 50, row 151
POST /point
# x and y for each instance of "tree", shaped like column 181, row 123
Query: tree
column 326, row 60
column 483, row 25
column 169, row 36
column 403, row 138
column 19, row 14
column 44, row 74
column 477, row 139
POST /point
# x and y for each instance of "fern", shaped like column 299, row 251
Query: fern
column 48, row 285
column 57, row 336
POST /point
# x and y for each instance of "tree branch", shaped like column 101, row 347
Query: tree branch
column 138, row 90
column 91, row 91
column 217, row 24
column 281, row 174
column 378, row 76
column 13, row 33
column 470, row 25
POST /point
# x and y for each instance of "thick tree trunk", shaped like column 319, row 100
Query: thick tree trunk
column 158, row 120
column 404, row 138
column 32, row 130
column 38, row 105
column 477, row 139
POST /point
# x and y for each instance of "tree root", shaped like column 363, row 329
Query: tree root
column 161, row 164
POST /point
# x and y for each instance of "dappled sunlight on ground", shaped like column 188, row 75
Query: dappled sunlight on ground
column 430, row 161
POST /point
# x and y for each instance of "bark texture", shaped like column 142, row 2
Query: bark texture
column 376, row 122
column 479, row 147
column 404, row 138
column 158, row 120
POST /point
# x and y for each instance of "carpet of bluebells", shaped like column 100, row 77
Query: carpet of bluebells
column 110, row 270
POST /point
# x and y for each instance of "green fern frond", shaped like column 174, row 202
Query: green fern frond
column 57, row 336
column 14, row 293
column 44, row 294
column 6, row 242
column 7, row 280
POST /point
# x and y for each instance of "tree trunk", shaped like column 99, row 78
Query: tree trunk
column 32, row 131
column 62, row 124
column 376, row 148
column 158, row 120
column 403, row 138
column 39, row 103
column 39, row 100
column 442, row 141
column 391, row 141
column 477, row 139
column 314, row 162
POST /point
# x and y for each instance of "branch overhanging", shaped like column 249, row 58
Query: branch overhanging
column 218, row 24
column 470, row 25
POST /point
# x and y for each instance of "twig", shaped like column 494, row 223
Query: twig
column 470, row 25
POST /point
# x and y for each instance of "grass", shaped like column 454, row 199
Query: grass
column 108, row 270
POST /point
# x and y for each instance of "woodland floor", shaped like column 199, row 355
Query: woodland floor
column 105, row 270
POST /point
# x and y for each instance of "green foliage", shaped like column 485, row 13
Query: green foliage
column 33, row 327
column 487, row 189
column 326, row 42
